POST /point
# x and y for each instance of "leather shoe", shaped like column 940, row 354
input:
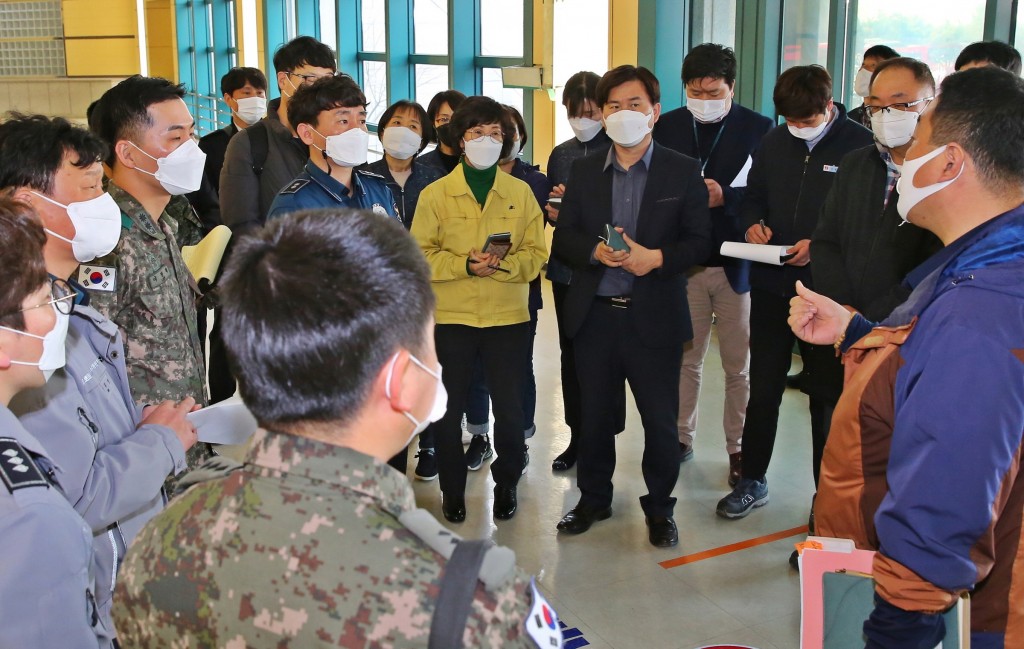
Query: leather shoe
column 662, row 532
column 580, row 518
column 566, row 460
column 453, row 508
column 504, row 502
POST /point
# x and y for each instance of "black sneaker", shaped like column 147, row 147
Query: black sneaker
column 426, row 468
column 479, row 450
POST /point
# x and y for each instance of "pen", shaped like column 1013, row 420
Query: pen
column 762, row 227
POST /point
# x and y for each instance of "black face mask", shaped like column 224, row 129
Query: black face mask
column 444, row 135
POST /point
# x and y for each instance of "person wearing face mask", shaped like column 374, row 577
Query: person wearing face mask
column 933, row 408
column 722, row 136
column 113, row 454
column 447, row 154
column 330, row 118
column 143, row 285
column 792, row 172
column 316, row 502
column 482, row 296
column 403, row 132
column 46, row 580
column 862, row 80
column 626, row 310
column 265, row 157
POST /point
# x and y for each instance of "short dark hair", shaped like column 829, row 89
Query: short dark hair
column 922, row 73
column 996, row 53
column 479, row 110
column 22, row 256
column 33, row 149
column 237, row 78
column 357, row 289
column 982, row 110
column 802, row 91
column 453, row 98
column 578, row 89
column 623, row 74
column 710, row 60
column 883, row 52
column 406, row 105
column 123, row 111
column 304, row 50
column 328, row 93
column 519, row 123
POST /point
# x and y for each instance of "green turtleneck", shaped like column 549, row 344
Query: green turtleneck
column 480, row 181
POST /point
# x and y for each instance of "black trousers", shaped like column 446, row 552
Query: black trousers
column 222, row 382
column 609, row 353
column 771, row 347
column 503, row 351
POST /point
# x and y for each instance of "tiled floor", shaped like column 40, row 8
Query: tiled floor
column 607, row 582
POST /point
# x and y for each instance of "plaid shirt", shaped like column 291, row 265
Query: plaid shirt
column 892, row 173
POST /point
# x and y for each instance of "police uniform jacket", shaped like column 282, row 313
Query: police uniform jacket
column 113, row 468
column 46, row 597
column 314, row 187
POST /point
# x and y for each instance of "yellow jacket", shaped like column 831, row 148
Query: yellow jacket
column 449, row 222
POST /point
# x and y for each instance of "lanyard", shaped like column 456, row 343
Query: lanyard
column 696, row 142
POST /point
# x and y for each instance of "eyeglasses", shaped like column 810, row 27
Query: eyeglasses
column 307, row 79
column 479, row 132
column 904, row 106
column 63, row 299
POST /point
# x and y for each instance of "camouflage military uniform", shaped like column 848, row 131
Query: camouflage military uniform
column 300, row 548
column 152, row 300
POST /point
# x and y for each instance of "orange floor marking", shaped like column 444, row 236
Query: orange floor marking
column 732, row 547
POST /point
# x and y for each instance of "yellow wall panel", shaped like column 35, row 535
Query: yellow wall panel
column 623, row 32
column 100, row 18
column 160, row 39
column 106, row 57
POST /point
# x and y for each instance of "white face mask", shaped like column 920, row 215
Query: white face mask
column 893, row 127
column 809, row 132
column 910, row 194
column 483, row 152
column 348, row 149
column 251, row 109
column 706, row 111
column 440, row 405
column 180, row 172
column 513, row 152
column 862, row 83
column 97, row 226
column 401, row 142
column 628, row 128
column 584, row 128
column 53, row 357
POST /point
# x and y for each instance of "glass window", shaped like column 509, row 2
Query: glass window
column 430, row 26
column 1018, row 34
column 804, row 33
column 494, row 89
column 430, row 80
column 933, row 31
column 501, row 28
column 375, row 87
column 329, row 23
column 580, row 43
column 720, row 22
column 373, row 25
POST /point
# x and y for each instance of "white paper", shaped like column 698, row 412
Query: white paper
column 741, row 178
column 227, row 422
column 763, row 253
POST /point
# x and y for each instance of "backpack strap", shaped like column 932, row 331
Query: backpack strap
column 458, row 584
column 259, row 143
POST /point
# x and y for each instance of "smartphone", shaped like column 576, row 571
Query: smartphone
column 614, row 239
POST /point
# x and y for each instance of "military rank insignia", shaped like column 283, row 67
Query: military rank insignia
column 542, row 621
column 98, row 278
column 17, row 470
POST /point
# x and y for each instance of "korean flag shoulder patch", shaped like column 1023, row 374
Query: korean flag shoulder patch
column 542, row 622
column 98, row 278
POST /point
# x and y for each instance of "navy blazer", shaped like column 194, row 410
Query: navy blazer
column 741, row 135
column 673, row 218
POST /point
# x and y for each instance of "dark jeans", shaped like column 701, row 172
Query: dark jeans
column 771, row 347
column 503, row 351
column 610, row 352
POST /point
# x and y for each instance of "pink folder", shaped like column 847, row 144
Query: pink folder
column 814, row 564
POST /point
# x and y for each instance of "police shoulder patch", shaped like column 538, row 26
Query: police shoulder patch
column 17, row 470
column 295, row 186
column 98, row 278
column 542, row 621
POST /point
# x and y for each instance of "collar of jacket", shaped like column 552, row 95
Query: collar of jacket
column 456, row 185
column 335, row 188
